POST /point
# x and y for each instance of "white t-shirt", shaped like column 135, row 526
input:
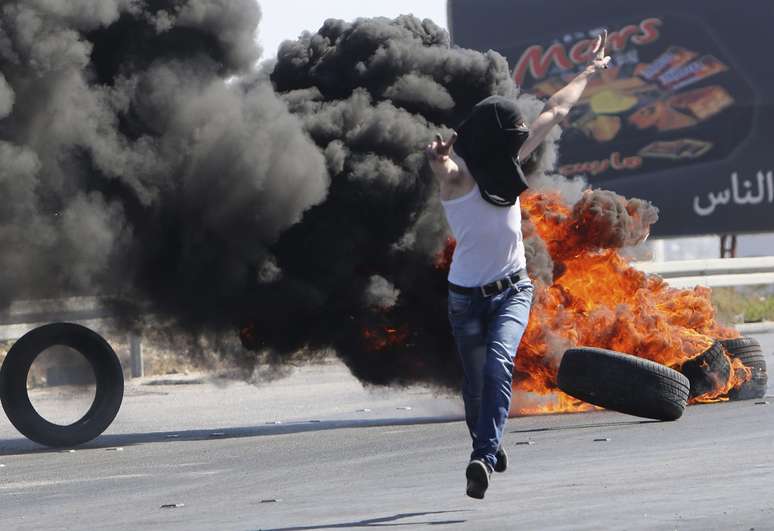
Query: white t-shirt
column 490, row 245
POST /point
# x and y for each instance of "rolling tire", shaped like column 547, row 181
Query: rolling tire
column 624, row 383
column 707, row 372
column 748, row 351
column 107, row 372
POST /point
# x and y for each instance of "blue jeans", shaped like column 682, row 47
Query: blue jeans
column 487, row 331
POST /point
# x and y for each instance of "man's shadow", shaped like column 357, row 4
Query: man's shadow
column 386, row 521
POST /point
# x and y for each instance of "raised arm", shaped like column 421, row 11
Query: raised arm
column 439, row 155
column 558, row 106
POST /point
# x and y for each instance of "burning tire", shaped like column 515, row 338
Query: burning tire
column 748, row 351
column 707, row 372
column 107, row 372
column 624, row 383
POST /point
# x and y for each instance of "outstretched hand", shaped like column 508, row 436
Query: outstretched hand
column 440, row 150
column 600, row 60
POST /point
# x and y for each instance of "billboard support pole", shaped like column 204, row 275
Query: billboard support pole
column 728, row 246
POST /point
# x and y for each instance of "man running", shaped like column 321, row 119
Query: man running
column 490, row 294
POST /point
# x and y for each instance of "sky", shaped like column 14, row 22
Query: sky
column 287, row 19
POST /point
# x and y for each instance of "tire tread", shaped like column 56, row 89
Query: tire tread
column 623, row 383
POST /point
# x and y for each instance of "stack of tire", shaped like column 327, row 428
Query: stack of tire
column 643, row 388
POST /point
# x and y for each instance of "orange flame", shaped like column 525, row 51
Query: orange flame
column 529, row 404
column 739, row 375
column 378, row 339
column 600, row 300
column 597, row 299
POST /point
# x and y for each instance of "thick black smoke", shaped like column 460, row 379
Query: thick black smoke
column 360, row 271
column 129, row 168
column 294, row 207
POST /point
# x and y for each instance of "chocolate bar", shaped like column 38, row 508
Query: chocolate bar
column 685, row 148
column 660, row 115
column 674, row 57
column 703, row 103
column 696, row 71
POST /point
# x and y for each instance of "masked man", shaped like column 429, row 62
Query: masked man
column 490, row 294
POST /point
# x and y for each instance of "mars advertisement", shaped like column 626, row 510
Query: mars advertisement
column 684, row 116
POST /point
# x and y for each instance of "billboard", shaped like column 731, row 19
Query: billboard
column 685, row 115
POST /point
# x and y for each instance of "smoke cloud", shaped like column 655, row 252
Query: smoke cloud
column 132, row 168
column 293, row 206
column 6, row 98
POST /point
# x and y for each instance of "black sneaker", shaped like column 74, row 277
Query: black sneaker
column 502, row 460
column 478, row 474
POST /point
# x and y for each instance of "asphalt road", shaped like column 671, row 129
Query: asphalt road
column 344, row 457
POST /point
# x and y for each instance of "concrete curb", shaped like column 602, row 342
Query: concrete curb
column 756, row 328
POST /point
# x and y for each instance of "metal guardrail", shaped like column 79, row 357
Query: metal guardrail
column 92, row 312
column 722, row 272
column 764, row 327
column 23, row 316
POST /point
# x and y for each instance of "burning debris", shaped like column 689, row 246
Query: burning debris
column 293, row 205
column 591, row 296
column 597, row 299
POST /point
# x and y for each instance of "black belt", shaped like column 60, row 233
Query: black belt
column 493, row 288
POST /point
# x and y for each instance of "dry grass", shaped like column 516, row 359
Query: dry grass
column 744, row 304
